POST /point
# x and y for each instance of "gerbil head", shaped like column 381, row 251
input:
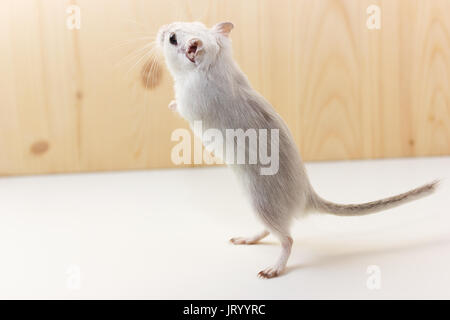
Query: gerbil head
column 191, row 46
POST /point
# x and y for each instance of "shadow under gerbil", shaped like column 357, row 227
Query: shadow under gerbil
column 352, row 254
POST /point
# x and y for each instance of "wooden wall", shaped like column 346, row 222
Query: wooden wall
column 73, row 100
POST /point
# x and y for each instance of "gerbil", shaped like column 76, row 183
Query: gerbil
column 209, row 86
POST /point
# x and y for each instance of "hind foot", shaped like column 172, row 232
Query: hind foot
column 250, row 240
column 271, row 272
column 280, row 265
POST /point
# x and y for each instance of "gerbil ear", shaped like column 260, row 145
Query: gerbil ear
column 224, row 28
column 193, row 48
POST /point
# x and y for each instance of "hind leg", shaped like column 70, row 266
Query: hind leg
column 276, row 211
column 250, row 240
column 280, row 265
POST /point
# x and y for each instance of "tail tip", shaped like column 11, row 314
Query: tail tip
column 434, row 185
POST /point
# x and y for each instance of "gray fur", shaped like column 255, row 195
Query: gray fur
column 215, row 91
column 374, row 206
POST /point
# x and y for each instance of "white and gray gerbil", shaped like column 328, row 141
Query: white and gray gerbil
column 210, row 87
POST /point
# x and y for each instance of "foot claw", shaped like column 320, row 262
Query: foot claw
column 240, row 240
column 268, row 273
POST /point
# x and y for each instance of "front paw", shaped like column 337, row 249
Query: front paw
column 173, row 105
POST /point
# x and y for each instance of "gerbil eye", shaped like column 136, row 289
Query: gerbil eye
column 173, row 39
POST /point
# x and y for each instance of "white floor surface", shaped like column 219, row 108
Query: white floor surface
column 164, row 235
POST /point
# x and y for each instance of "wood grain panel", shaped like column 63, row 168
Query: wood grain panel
column 74, row 100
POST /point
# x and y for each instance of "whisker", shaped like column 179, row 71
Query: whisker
column 140, row 59
column 135, row 53
column 152, row 72
column 131, row 41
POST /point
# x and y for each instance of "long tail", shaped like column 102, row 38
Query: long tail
column 372, row 207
